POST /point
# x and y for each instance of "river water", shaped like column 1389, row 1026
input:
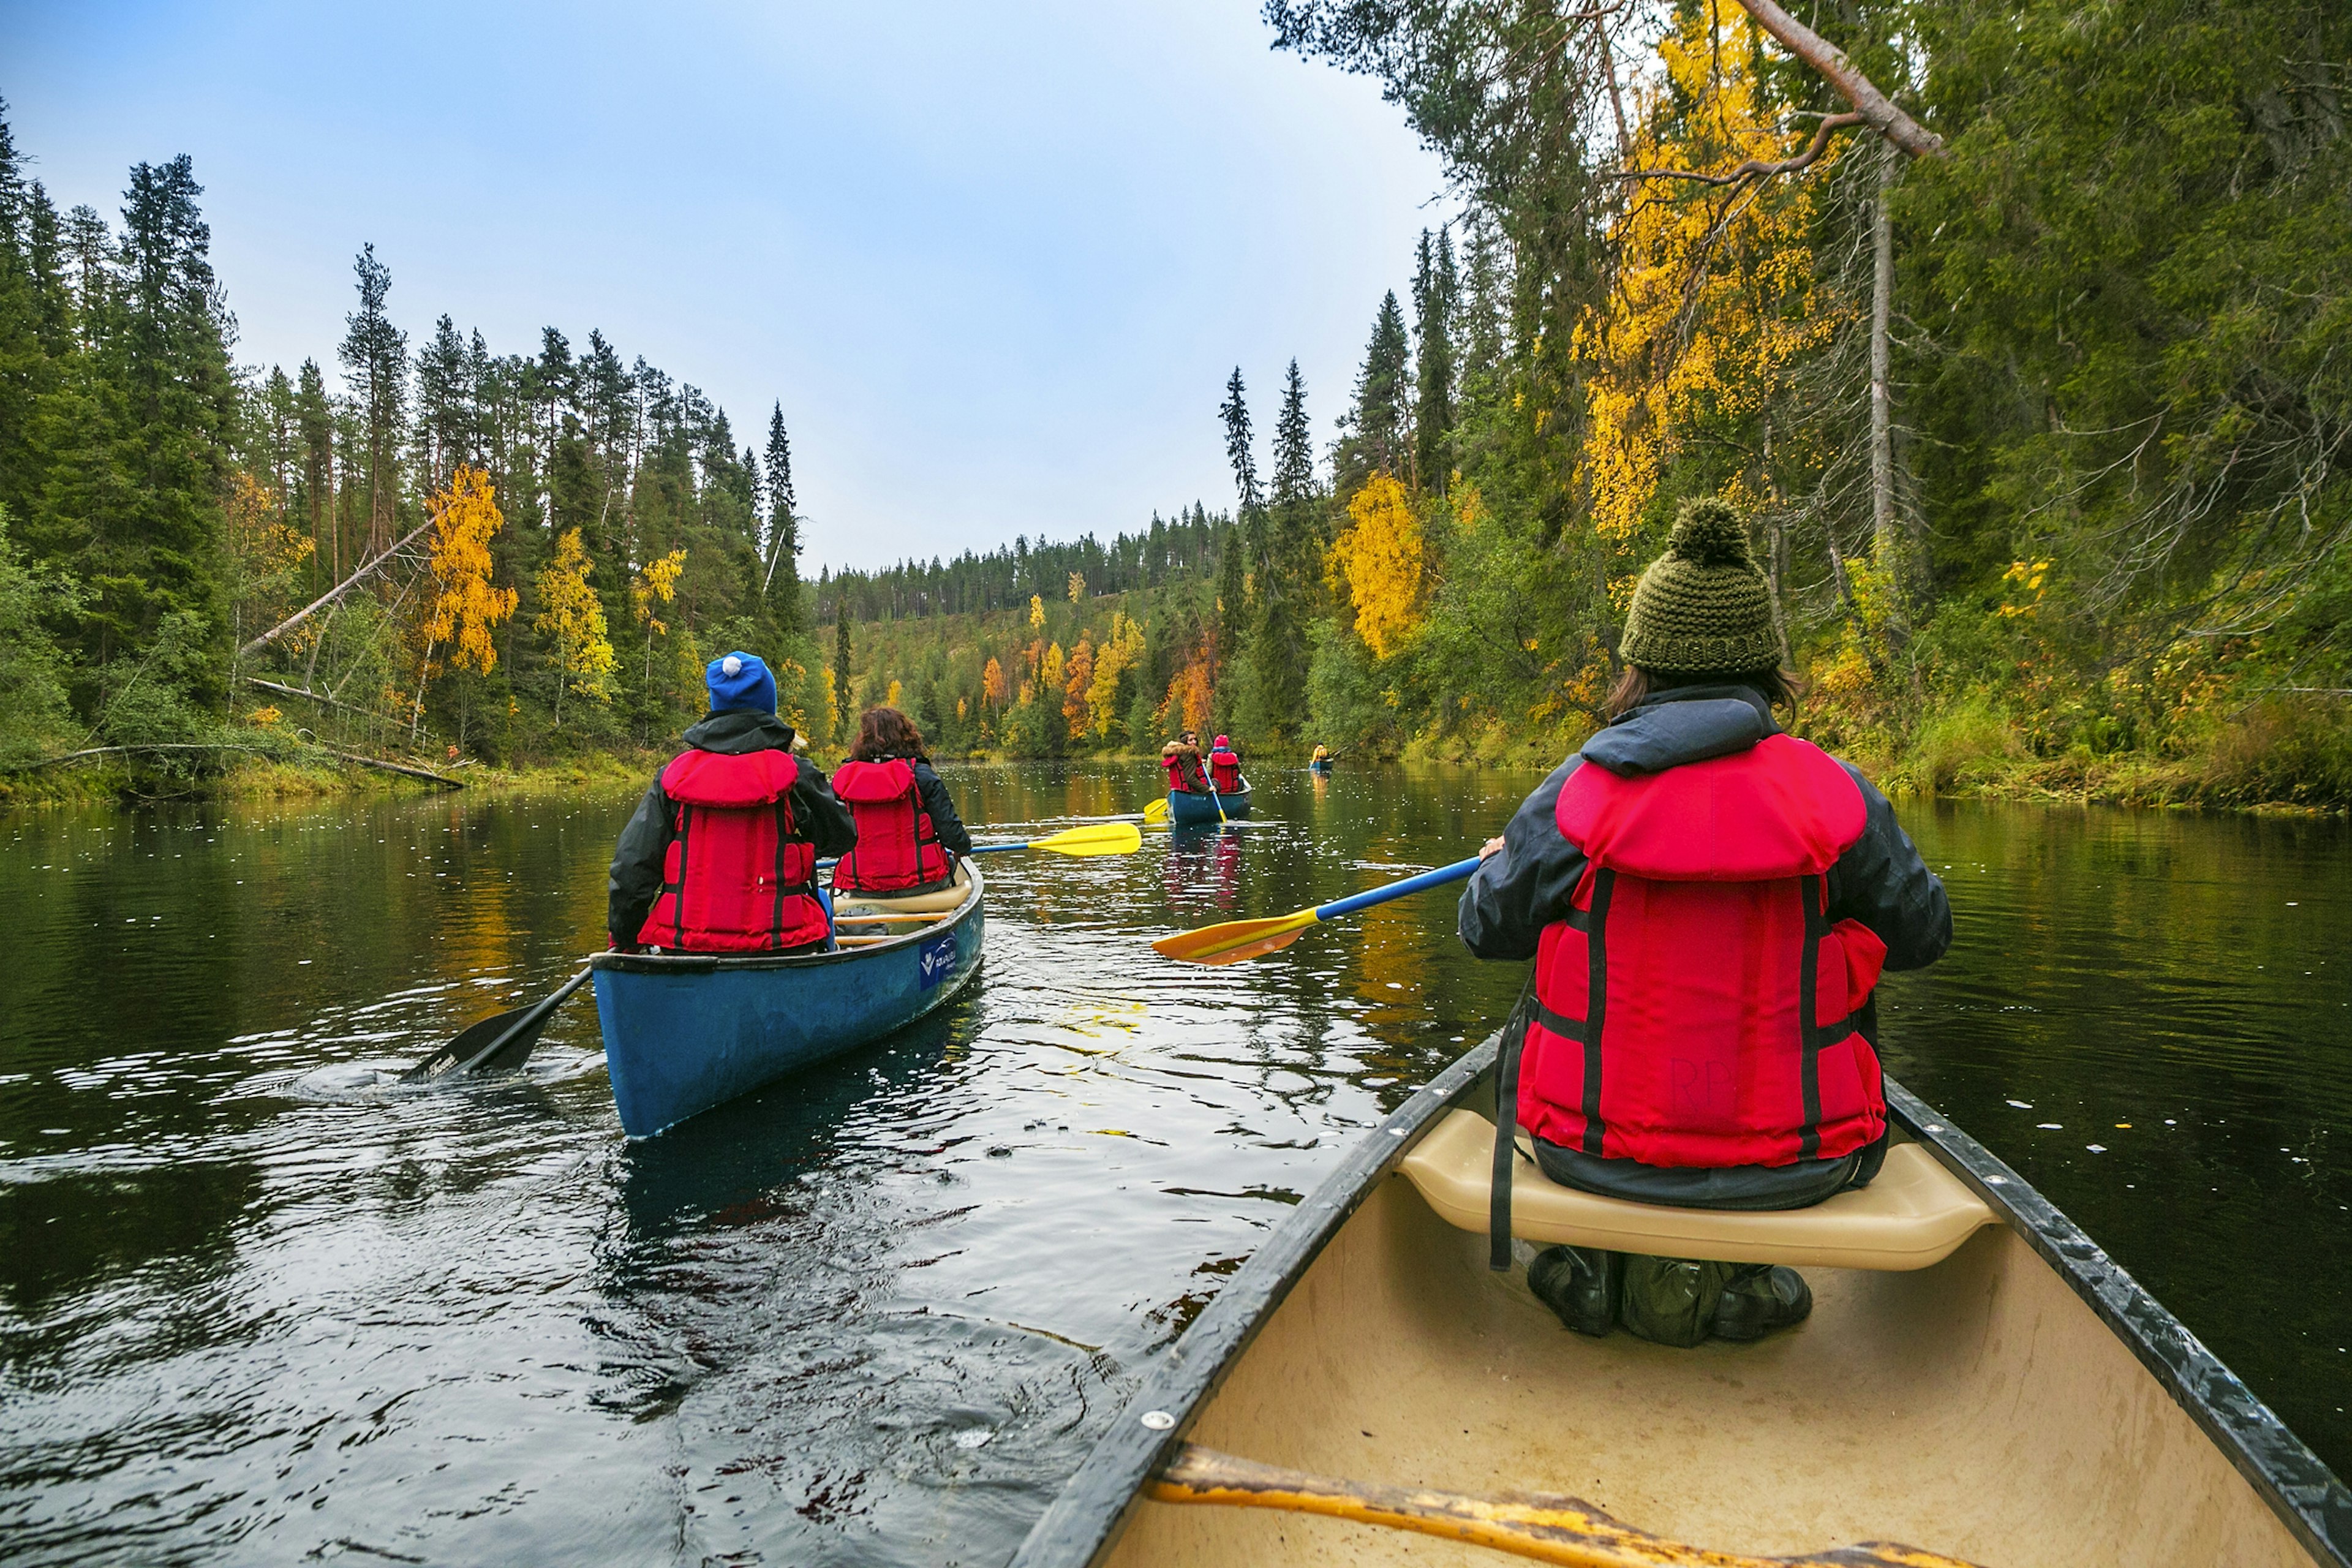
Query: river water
column 256, row 1307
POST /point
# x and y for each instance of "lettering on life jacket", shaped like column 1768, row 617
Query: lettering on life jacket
column 1698, row 1007
column 898, row 847
column 736, row 876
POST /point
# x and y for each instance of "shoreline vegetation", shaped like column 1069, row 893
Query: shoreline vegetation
column 2033, row 383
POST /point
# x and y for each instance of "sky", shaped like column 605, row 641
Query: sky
column 995, row 262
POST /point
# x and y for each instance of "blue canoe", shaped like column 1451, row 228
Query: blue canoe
column 1192, row 808
column 684, row 1032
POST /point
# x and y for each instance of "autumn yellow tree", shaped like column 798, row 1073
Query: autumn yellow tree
column 649, row 590
column 575, row 617
column 1122, row 650
column 993, row 690
column 465, row 607
column 1714, row 289
column 1036, row 612
column 1381, row 561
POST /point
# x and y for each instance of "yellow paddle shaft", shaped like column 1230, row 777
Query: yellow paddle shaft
column 1544, row 1527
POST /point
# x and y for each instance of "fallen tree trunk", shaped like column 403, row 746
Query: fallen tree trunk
column 331, row 596
column 404, row 769
column 1877, row 110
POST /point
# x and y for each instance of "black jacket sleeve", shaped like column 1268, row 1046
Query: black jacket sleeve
column 1881, row 881
column 1529, row 883
column 637, row 863
column 820, row 815
column 940, row 805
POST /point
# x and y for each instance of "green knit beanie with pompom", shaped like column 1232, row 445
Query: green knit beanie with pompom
column 1703, row 608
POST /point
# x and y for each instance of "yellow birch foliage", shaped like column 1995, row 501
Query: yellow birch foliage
column 991, row 684
column 268, row 558
column 894, row 697
column 464, row 607
column 832, row 705
column 1755, row 308
column 1121, row 652
column 575, row 617
column 1187, row 706
column 1051, row 672
column 656, row 585
column 1036, row 612
column 1380, row 559
column 1080, row 683
column 1078, row 587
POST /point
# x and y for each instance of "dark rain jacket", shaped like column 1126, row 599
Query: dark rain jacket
column 636, row 874
column 941, row 807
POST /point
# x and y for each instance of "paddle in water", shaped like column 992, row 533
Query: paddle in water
column 1234, row 940
column 497, row 1044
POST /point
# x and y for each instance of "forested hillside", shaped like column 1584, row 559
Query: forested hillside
column 2036, row 402
column 2021, row 331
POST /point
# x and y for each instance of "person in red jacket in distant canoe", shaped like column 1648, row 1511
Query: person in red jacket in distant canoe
column 909, row 833
column 1226, row 767
column 721, row 854
column 1709, row 903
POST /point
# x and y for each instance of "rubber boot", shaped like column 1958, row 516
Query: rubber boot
column 1760, row 1298
column 1671, row 1300
column 1580, row 1284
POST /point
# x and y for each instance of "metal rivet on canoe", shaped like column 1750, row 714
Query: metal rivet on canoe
column 1158, row 1420
column 1396, row 1132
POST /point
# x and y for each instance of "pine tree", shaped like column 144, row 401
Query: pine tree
column 841, row 651
column 443, row 394
column 315, row 489
column 1433, row 289
column 375, row 354
column 782, row 588
column 1238, row 449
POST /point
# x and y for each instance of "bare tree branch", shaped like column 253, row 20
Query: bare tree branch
column 337, row 592
column 1756, row 168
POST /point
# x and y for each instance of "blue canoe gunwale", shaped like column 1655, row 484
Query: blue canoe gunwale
column 1194, row 808
column 687, row 1032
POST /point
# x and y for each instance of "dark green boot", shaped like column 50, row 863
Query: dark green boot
column 1760, row 1298
column 1671, row 1300
column 1580, row 1284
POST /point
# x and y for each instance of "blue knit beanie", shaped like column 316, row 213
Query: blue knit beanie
column 740, row 682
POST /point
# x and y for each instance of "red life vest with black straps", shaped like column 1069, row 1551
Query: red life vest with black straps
column 736, row 876
column 1226, row 767
column 1699, row 1009
column 897, row 845
column 1184, row 770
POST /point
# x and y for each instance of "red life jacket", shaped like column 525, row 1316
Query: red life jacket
column 737, row 877
column 1227, row 768
column 897, row 846
column 1183, row 770
column 1698, row 1009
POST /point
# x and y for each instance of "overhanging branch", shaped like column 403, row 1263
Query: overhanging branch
column 1877, row 110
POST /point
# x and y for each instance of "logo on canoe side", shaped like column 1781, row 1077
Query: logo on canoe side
column 938, row 961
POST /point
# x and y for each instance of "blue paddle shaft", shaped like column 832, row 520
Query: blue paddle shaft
column 1456, row 872
column 993, row 849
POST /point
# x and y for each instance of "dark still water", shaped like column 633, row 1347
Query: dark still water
column 258, row 1307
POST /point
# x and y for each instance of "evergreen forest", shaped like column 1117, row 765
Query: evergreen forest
column 2020, row 332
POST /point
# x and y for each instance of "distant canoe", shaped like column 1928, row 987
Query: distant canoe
column 1191, row 808
column 1977, row 1380
column 684, row 1032
column 1323, row 766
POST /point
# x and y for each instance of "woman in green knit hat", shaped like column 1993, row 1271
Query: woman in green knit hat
column 1710, row 901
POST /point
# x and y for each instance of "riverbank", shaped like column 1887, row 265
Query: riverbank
column 264, row 778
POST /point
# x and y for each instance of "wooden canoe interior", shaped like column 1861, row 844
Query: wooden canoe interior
column 1976, row 1407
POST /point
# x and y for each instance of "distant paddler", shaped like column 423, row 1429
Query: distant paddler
column 1226, row 767
column 721, row 854
column 908, row 833
column 1320, row 762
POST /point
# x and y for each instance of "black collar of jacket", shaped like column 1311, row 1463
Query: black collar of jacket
column 739, row 732
column 1683, row 724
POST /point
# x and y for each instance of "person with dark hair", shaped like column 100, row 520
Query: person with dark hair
column 721, row 854
column 1181, row 758
column 909, row 833
column 1709, row 903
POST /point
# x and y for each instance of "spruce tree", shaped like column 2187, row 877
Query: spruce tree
column 443, row 393
column 1375, row 430
column 1433, row 289
column 841, row 651
column 315, row 487
column 783, row 589
column 375, row 354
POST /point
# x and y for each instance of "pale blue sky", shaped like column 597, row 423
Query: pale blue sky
column 995, row 260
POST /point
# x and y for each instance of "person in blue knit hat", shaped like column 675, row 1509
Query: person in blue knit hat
column 721, row 854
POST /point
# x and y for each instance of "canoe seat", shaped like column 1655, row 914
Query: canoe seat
column 942, row 900
column 1916, row 1213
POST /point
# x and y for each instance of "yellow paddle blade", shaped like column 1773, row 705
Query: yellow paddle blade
column 1235, row 940
column 1096, row 839
column 1157, row 812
